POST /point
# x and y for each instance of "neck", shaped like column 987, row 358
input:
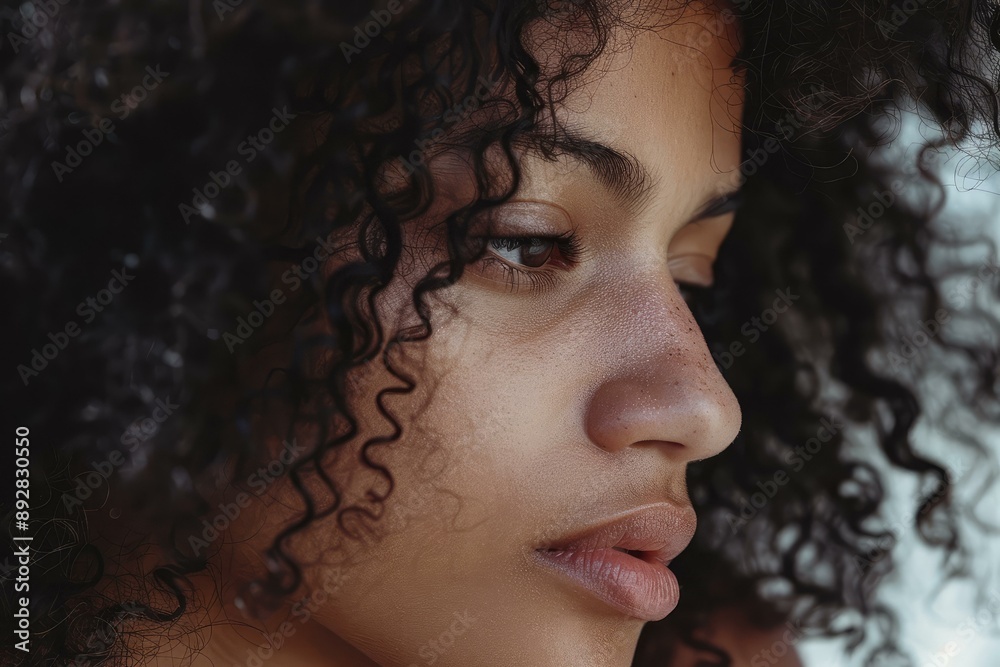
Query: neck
column 290, row 637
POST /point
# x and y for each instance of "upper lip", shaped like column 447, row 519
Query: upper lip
column 660, row 531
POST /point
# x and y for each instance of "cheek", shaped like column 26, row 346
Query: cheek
column 452, row 468
column 472, row 467
column 454, row 451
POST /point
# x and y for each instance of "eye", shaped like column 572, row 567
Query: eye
column 693, row 269
column 730, row 203
column 530, row 251
column 534, row 260
column 694, row 274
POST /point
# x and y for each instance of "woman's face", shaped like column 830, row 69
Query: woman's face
column 572, row 400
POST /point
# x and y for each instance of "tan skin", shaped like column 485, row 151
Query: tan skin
column 537, row 411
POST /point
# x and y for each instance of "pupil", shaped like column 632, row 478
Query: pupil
column 535, row 252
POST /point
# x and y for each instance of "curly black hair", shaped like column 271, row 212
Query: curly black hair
column 148, row 217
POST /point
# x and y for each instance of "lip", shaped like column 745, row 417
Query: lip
column 638, row 583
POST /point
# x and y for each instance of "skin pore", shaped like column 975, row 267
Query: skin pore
column 546, row 402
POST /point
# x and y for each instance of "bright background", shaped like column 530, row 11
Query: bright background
column 932, row 617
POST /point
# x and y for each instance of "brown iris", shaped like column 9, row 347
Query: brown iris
column 528, row 251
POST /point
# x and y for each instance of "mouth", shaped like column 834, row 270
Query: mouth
column 623, row 562
column 631, row 552
column 645, row 556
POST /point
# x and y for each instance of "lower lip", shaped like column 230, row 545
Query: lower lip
column 643, row 589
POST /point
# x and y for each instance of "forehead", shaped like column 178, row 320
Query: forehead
column 667, row 94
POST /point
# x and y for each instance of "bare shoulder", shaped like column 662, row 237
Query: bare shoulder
column 748, row 645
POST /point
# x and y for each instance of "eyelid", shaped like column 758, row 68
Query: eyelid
column 732, row 203
column 694, row 268
column 556, row 219
column 562, row 235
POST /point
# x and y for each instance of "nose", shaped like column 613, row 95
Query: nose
column 659, row 383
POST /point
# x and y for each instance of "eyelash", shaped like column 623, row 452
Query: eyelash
column 570, row 249
column 567, row 244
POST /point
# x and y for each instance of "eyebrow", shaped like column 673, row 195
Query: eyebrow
column 620, row 172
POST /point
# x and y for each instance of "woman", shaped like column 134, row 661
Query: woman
column 417, row 313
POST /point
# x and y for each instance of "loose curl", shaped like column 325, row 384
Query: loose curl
column 824, row 83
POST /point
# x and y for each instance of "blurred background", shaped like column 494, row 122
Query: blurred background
column 955, row 623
